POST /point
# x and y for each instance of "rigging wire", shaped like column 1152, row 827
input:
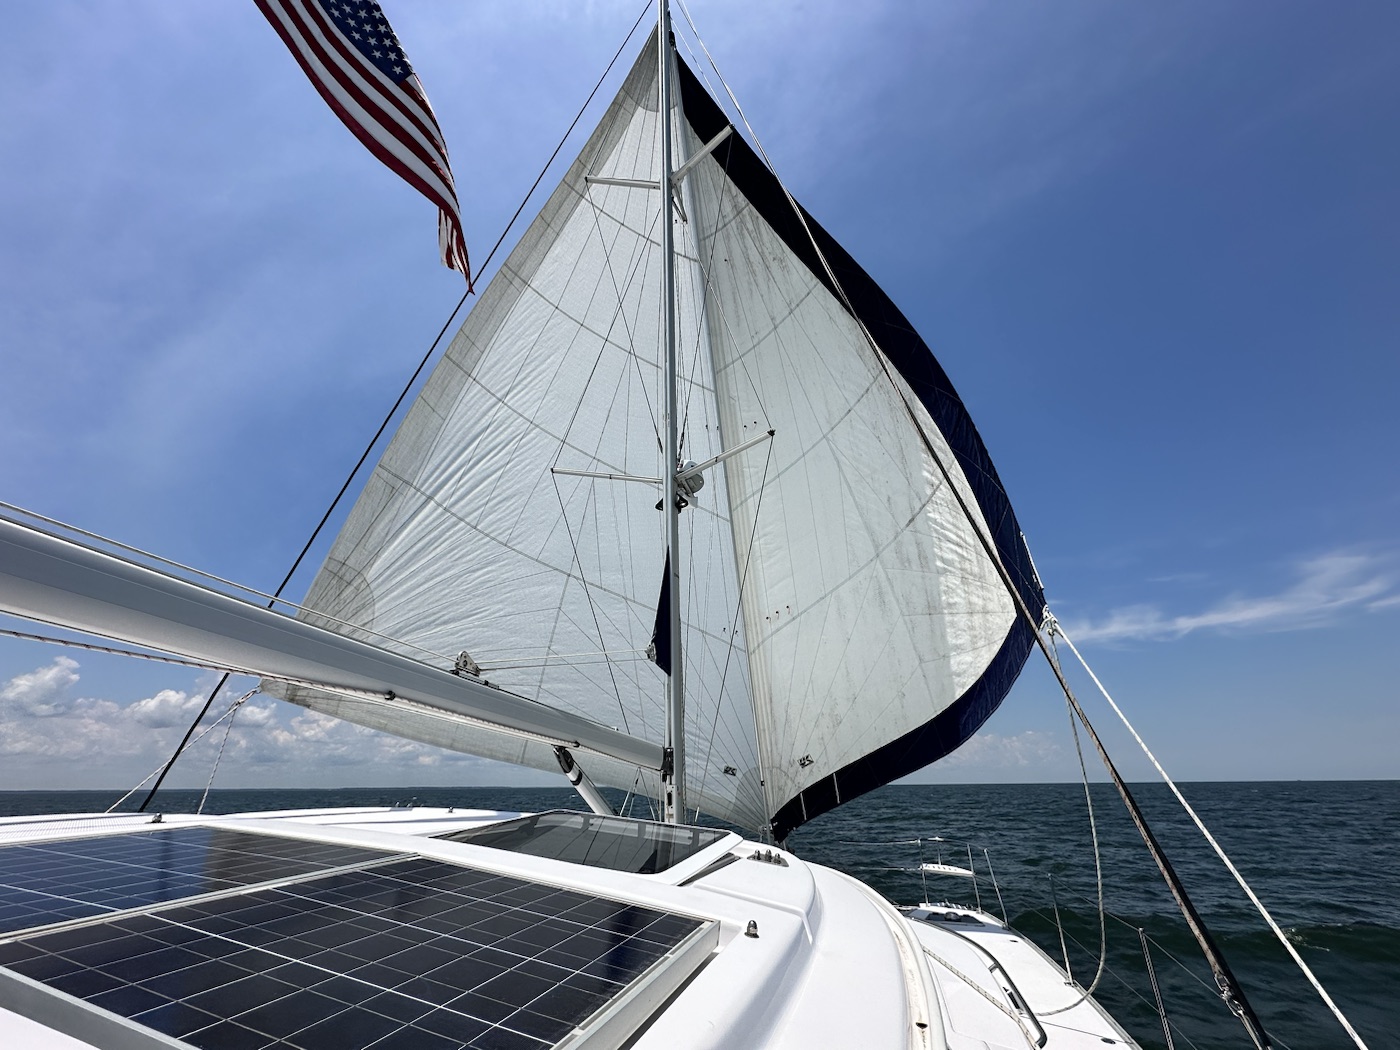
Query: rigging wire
column 232, row 714
column 588, row 594
column 594, row 657
column 1126, row 985
column 273, row 599
column 1219, row 851
column 403, row 395
column 1229, row 986
column 1098, row 860
column 706, row 269
column 93, row 647
column 212, row 726
column 705, row 261
column 199, row 665
column 1127, row 925
column 721, row 221
column 619, row 315
column 1134, row 927
column 1156, row 989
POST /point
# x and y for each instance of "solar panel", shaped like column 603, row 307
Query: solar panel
column 414, row 953
column 54, row 881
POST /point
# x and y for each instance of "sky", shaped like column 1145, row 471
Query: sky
column 1156, row 247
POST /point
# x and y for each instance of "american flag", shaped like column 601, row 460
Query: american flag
column 354, row 60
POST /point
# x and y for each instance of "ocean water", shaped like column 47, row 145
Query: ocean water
column 1324, row 857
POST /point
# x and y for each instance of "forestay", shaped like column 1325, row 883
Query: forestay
column 842, row 622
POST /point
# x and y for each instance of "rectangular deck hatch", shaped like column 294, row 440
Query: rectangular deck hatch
column 642, row 847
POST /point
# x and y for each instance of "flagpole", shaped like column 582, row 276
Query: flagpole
column 673, row 773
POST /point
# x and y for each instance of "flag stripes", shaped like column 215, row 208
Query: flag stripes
column 352, row 58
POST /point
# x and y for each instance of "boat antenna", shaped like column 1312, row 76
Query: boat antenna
column 398, row 403
column 673, row 760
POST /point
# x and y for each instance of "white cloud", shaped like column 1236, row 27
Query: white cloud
column 992, row 751
column 1324, row 588
column 43, row 692
column 169, row 707
column 43, row 723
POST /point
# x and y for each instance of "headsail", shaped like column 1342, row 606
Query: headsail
column 881, row 636
column 842, row 626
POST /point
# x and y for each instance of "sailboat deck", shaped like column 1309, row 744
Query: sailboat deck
column 379, row 932
column 998, row 989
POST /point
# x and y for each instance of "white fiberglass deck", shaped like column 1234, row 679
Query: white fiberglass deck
column 735, row 945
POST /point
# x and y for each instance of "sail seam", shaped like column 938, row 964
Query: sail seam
column 733, row 633
column 645, row 240
column 592, row 608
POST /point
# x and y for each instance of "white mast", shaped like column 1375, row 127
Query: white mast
column 673, row 777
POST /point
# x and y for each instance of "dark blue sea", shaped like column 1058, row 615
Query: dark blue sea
column 1324, row 857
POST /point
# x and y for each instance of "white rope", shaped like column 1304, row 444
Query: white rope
column 231, row 713
column 155, row 772
column 871, row 340
column 1030, row 1039
column 1219, row 852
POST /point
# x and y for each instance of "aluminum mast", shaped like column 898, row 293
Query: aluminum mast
column 673, row 769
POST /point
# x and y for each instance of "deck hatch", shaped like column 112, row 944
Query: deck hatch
column 642, row 847
column 54, row 881
column 414, row 953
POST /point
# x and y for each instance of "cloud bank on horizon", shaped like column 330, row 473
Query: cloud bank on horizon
column 52, row 736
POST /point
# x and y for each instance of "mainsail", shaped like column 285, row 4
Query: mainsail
column 842, row 622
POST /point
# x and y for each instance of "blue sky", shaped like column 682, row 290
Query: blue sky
column 1157, row 248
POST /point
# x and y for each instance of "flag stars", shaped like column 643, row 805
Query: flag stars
column 364, row 26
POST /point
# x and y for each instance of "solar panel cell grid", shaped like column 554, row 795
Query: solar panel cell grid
column 47, row 882
column 414, row 953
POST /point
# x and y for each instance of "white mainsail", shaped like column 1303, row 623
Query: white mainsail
column 842, row 622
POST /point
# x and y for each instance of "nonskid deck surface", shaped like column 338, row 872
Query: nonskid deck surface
column 342, row 929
